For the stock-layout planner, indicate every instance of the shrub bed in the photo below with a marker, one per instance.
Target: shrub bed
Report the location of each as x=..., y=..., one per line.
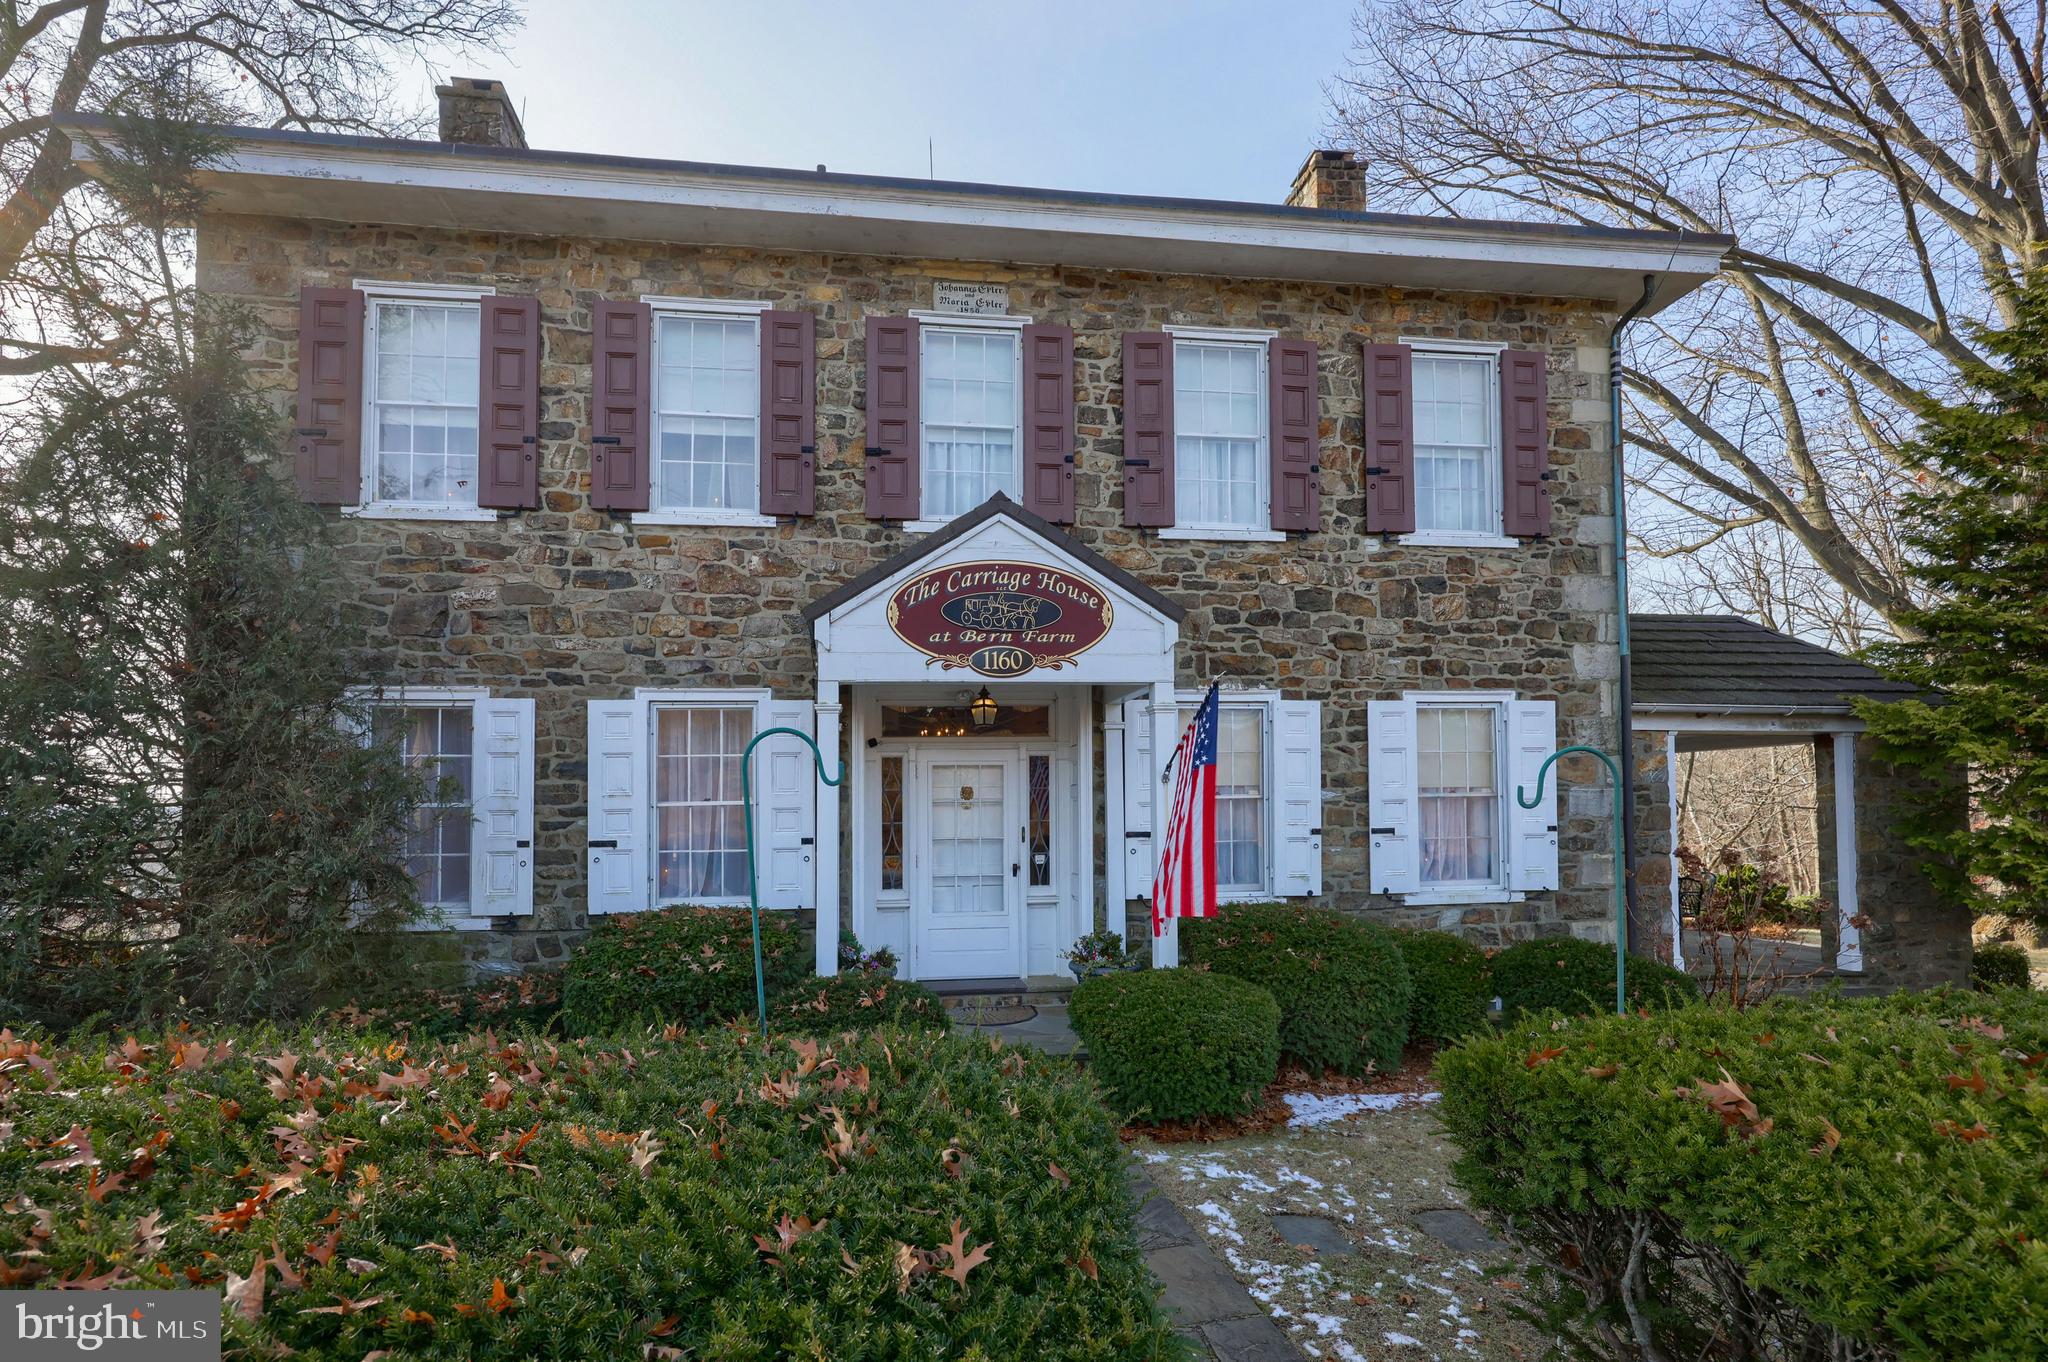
x=528, y=1001
x=680, y=966
x=1577, y=977
x=1453, y=986
x=855, y=1002
x=2000, y=964
x=715, y=1196
x=1177, y=1044
x=1342, y=986
x=1802, y=1179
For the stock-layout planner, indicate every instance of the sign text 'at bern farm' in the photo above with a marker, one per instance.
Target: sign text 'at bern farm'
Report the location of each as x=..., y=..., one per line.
x=1000, y=619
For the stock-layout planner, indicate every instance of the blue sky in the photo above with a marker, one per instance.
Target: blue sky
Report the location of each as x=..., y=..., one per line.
x=1204, y=98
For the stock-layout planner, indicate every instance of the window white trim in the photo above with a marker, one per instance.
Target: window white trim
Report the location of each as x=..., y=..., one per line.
x=730, y=519
x=731, y=307
x=1449, y=346
x=1245, y=334
x=392, y=510
x=1233, y=536
x=926, y=318
x=368, y=505
x=426, y=293
x=1458, y=539
x=1259, y=529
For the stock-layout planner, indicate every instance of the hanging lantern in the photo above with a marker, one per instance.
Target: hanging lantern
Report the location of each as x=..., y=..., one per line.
x=983, y=709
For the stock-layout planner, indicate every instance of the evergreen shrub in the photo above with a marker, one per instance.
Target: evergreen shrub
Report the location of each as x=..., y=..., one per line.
x=1178, y=1044
x=1453, y=986
x=676, y=967
x=855, y=1002
x=2000, y=964
x=1570, y=975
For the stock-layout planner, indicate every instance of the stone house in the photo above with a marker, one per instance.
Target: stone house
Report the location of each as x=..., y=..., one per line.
x=981, y=486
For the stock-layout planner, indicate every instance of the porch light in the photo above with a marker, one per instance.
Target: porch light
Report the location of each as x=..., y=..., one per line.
x=983, y=709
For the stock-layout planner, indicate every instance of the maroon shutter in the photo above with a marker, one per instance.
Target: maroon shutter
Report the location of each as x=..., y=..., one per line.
x=1148, y=428
x=893, y=465
x=1389, y=439
x=508, y=379
x=789, y=405
x=620, y=453
x=329, y=456
x=1295, y=416
x=1525, y=442
x=1049, y=422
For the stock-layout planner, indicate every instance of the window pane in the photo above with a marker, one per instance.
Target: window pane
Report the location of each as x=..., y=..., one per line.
x=434, y=740
x=1040, y=820
x=1458, y=764
x=424, y=389
x=700, y=831
x=1240, y=797
x=969, y=411
x=706, y=411
x=1219, y=434
x=892, y=823
x=1456, y=454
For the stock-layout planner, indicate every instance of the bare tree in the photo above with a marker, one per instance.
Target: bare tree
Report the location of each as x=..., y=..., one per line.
x=1879, y=164
x=73, y=289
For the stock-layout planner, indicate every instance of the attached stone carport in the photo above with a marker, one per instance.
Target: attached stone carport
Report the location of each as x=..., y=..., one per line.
x=1711, y=682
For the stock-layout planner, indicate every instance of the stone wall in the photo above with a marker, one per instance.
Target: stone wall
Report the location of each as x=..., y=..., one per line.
x=569, y=604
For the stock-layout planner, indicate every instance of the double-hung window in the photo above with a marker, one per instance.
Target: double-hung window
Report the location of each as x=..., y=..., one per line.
x=1457, y=443
x=436, y=741
x=420, y=402
x=706, y=414
x=969, y=409
x=1222, y=480
x=1458, y=788
x=700, y=846
x=1241, y=811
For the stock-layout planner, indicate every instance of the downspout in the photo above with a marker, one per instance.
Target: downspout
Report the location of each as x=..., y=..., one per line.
x=1639, y=938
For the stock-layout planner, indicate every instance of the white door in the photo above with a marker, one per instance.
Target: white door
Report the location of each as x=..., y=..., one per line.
x=968, y=899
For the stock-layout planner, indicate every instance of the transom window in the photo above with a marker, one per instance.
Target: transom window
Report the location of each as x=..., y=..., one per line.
x=969, y=408
x=423, y=402
x=1240, y=798
x=435, y=741
x=707, y=413
x=700, y=843
x=1457, y=447
x=1219, y=423
x=1458, y=769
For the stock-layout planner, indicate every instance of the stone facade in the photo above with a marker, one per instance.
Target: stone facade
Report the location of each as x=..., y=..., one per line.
x=567, y=604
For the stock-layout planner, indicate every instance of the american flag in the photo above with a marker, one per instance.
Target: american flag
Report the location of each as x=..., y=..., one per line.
x=1187, y=867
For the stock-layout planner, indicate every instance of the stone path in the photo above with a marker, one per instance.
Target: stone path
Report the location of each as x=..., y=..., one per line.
x=1046, y=1030
x=1209, y=1307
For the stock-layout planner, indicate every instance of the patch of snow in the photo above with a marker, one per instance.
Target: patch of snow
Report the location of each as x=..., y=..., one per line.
x=1225, y=1224
x=1325, y=1325
x=1251, y=1182
x=1315, y=1109
x=1400, y=1340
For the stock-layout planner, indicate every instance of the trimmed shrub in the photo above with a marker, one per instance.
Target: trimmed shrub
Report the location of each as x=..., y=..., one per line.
x=1341, y=984
x=1176, y=1044
x=714, y=1196
x=2000, y=964
x=1807, y=1178
x=679, y=966
x=1577, y=977
x=531, y=1000
x=855, y=1002
x=1453, y=986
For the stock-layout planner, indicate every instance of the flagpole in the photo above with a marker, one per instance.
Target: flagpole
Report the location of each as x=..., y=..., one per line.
x=1163, y=713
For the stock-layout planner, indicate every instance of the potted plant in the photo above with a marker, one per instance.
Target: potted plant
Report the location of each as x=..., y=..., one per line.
x=1099, y=953
x=879, y=964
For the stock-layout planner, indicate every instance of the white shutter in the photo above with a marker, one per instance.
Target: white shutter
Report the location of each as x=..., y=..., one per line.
x=785, y=804
x=1392, y=820
x=1297, y=798
x=501, y=851
x=1141, y=796
x=1532, y=833
x=617, y=755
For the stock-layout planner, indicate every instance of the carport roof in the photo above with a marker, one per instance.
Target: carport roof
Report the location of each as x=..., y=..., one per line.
x=1714, y=663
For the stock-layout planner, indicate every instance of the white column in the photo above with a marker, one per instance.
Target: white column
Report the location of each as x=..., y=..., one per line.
x=1671, y=795
x=1849, y=951
x=1165, y=715
x=1112, y=813
x=825, y=862
x=1082, y=714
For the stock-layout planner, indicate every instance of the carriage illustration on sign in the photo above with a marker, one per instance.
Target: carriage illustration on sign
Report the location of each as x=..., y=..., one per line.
x=1004, y=610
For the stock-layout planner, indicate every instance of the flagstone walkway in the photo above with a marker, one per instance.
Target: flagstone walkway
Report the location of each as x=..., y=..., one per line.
x=1046, y=1029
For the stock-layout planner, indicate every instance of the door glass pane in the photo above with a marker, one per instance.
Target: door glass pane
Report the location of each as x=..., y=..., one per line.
x=1460, y=795
x=700, y=846
x=970, y=419
x=892, y=824
x=968, y=846
x=423, y=393
x=434, y=740
x=1040, y=821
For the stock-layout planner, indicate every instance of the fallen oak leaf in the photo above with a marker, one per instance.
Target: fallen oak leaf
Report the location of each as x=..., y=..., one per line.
x=965, y=1260
x=343, y=1306
x=1537, y=1058
x=1059, y=1175
x=1830, y=1140
x=501, y=1300
x=245, y=1294
x=1086, y=1262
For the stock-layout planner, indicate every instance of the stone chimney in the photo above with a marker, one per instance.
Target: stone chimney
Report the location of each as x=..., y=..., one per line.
x=479, y=112
x=1327, y=179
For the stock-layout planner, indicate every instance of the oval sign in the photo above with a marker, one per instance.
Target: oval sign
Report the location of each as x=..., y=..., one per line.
x=1000, y=619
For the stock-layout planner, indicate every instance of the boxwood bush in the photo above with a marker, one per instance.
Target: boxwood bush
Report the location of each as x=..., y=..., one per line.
x=1176, y=1044
x=713, y=1196
x=531, y=1000
x=1808, y=1178
x=680, y=966
x=1453, y=986
x=1575, y=976
x=2000, y=964
x=855, y=1002
x=1342, y=986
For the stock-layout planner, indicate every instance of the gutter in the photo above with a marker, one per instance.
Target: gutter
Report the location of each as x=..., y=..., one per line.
x=1639, y=938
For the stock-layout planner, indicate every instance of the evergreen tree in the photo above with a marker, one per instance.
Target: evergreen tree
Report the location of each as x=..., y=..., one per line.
x=190, y=818
x=1980, y=650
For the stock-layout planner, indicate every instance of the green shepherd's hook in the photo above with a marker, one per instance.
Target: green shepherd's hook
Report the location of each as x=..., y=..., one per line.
x=753, y=885
x=1620, y=864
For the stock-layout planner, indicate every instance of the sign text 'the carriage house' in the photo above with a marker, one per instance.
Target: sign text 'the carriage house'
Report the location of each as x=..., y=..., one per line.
x=1000, y=619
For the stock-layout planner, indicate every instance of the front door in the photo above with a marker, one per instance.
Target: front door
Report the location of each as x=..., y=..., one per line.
x=968, y=896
